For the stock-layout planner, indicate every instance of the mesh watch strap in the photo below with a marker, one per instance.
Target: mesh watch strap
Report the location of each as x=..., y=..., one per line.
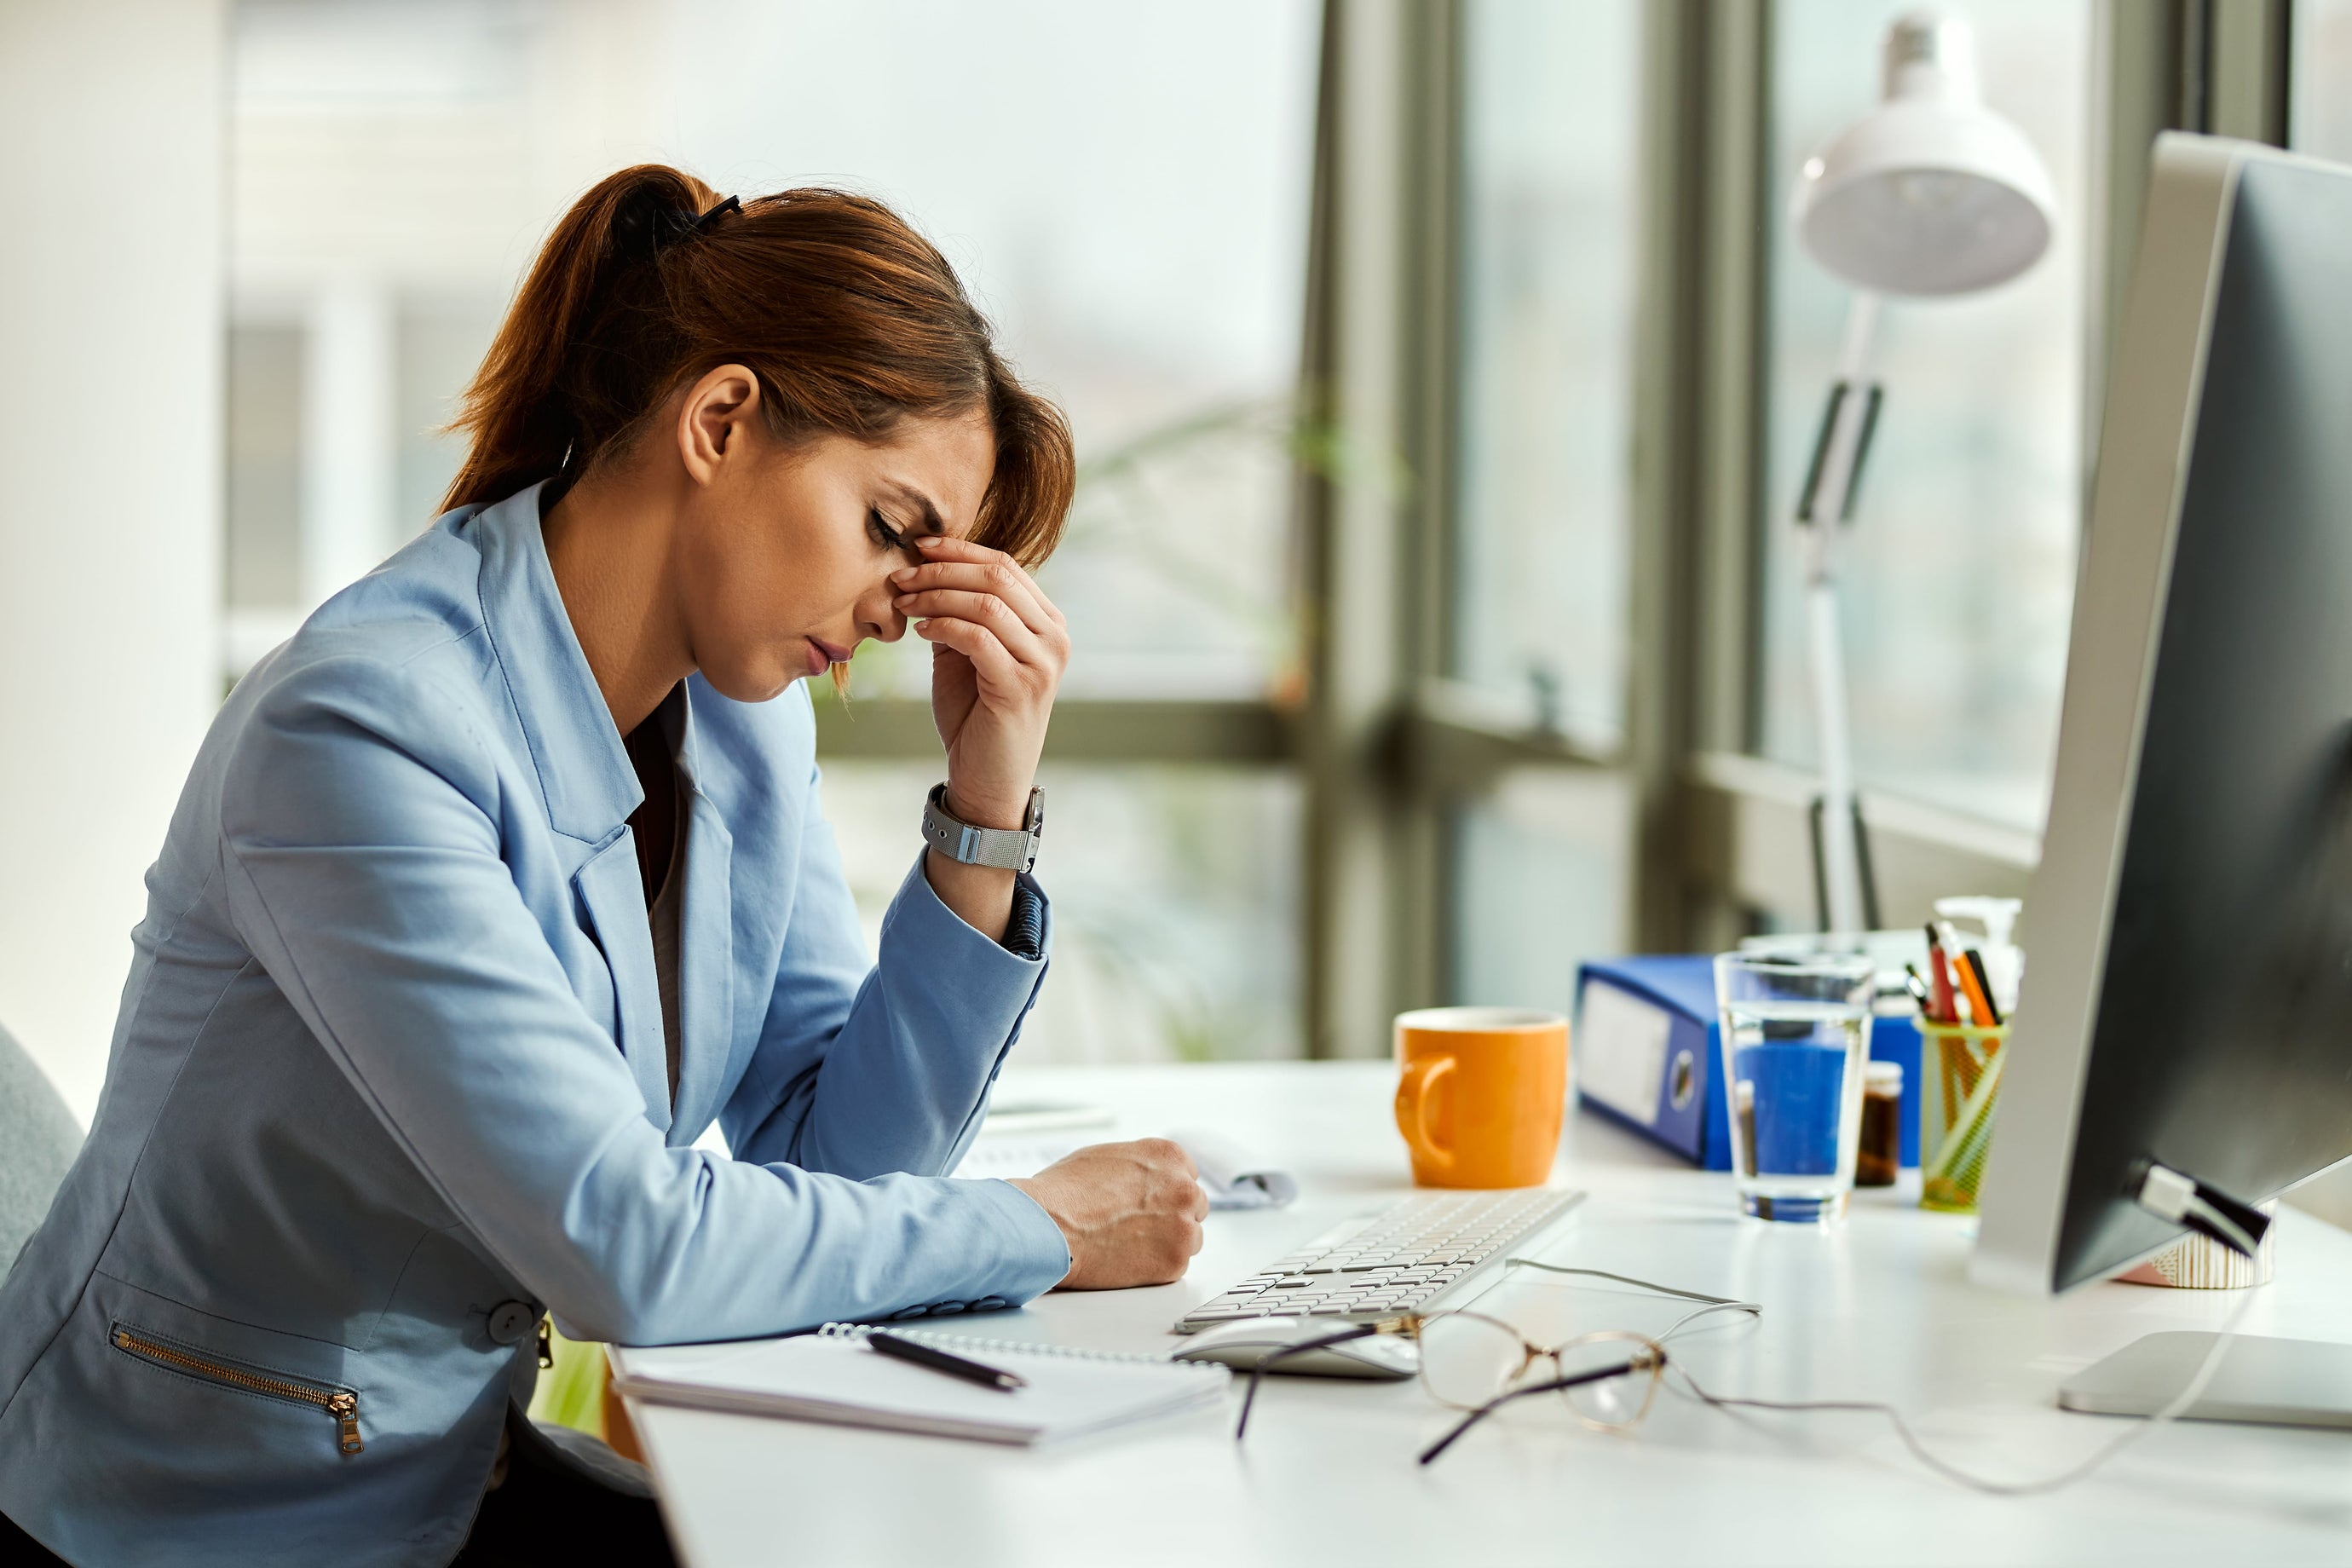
x=1009, y=849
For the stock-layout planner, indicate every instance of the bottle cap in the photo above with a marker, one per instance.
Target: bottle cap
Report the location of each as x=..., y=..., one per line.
x=1885, y=1077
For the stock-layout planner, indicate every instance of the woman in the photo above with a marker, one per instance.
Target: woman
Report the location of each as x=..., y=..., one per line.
x=507, y=878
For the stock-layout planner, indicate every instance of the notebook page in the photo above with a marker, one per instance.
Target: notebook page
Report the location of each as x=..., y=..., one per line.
x=841, y=1380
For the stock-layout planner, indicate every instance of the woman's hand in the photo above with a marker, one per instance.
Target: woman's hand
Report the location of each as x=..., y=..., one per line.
x=998, y=651
x=1131, y=1213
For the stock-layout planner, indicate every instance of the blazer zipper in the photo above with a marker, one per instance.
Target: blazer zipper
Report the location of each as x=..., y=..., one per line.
x=342, y=1404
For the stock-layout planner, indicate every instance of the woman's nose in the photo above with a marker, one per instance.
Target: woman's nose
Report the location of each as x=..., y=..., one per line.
x=881, y=619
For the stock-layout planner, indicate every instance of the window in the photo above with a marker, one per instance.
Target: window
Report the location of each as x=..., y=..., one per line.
x=1957, y=573
x=1541, y=864
x=1175, y=894
x=1131, y=205
x=1544, y=431
x=2319, y=97
x=1125, y=191
x=1542, y=447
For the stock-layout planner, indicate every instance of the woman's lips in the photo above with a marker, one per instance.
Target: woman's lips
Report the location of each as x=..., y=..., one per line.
x=823, y=654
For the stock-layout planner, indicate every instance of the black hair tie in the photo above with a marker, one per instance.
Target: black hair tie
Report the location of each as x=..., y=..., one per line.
x=666, y=227
x=731, y=205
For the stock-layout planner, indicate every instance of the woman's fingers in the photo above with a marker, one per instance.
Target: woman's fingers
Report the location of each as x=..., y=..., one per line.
x=1004, y=581
x=990, y=657
x=941, y=547
x=987, y=610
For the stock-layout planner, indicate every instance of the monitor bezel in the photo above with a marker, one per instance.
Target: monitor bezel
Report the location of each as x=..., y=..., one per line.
x=2147, y=439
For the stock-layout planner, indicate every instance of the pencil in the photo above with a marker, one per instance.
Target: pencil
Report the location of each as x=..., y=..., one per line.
x=1974, y=969
x=1981, y=1012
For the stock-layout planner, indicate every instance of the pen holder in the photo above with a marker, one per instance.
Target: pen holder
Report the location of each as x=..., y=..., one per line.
x=1959, y=1080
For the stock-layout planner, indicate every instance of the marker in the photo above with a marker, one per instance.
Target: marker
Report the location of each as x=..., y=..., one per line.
x=1947, y=1009
x=1953, y=948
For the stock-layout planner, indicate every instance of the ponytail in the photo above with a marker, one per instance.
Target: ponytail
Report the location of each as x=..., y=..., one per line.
x=851, y=321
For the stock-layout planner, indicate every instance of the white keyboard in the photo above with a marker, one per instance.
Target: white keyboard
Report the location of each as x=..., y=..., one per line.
x=1429, y=1246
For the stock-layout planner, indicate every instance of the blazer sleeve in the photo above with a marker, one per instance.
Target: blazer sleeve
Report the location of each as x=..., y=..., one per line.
x=865, y=1069
x=361, y=858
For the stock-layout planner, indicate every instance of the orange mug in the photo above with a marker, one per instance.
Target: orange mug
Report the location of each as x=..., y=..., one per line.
x=1481, y=1095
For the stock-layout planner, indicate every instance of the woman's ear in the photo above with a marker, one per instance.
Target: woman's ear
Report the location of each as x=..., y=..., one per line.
x=714, y=423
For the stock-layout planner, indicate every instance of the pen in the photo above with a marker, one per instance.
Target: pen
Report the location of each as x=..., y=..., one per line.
x=1980, y=979
x=891, y=1346
x=1919, y=994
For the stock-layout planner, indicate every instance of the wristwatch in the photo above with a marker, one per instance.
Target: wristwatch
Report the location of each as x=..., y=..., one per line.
x=1007, y=848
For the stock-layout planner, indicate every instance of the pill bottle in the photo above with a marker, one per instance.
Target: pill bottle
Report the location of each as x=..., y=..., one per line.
x=1879, y=1153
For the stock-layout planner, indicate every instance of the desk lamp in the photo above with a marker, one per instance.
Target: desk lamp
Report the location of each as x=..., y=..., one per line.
x=1929, y=195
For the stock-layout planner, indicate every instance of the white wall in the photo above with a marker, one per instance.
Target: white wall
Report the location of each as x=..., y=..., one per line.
x=110, y=307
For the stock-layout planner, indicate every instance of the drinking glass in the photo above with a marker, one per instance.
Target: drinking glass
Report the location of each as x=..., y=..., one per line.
x=1796, y=1034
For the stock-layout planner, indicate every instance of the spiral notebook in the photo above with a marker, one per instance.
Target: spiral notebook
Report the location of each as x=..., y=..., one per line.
x=832, y=1375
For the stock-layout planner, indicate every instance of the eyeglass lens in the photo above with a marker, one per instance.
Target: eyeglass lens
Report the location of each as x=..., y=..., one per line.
x=1466, y=1359
x=1614, y=1403
x=1469, y=1360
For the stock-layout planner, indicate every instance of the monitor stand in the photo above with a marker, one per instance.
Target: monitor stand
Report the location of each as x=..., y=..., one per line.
x=2276, y=1383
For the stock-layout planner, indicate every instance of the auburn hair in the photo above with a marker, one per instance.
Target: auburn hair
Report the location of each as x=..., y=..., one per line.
x=851, y=321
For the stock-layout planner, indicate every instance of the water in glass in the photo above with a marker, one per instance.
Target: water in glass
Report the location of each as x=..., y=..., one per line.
x=1796, y=1035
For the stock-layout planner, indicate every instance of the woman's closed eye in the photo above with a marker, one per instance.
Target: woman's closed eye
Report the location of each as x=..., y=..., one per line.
x=888, y=538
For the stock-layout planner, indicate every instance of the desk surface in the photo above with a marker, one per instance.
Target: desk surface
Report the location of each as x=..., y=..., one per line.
x=1880, y=1310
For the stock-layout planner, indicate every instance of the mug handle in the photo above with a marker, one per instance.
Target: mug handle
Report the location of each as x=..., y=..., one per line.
x=1413, y=1111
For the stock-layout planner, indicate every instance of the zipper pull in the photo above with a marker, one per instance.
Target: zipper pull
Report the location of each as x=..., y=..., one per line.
x=546, y=1344
x=345, y=1409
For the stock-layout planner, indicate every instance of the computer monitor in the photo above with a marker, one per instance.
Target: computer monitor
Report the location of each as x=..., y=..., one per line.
x=2188, y=1002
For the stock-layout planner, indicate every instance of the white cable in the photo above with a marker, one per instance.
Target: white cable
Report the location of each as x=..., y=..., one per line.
x=2181, y=1401
x=1714, y=1303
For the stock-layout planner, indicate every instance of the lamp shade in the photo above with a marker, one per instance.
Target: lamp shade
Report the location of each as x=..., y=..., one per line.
x=1931, y=193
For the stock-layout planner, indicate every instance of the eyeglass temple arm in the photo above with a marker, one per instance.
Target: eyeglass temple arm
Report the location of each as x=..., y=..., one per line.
x=1597, y=1375
x=1628, y=1279
x=1361, y=1331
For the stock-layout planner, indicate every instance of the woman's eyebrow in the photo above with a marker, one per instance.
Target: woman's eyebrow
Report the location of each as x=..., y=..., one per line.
x=927, y=515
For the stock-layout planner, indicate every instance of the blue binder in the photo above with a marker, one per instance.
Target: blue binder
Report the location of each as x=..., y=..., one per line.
x=1648, y=1053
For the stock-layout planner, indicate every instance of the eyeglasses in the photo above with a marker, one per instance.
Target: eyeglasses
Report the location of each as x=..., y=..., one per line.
x=1477, y=1362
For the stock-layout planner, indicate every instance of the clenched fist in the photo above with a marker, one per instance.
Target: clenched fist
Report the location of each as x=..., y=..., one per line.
x=1130, y=1213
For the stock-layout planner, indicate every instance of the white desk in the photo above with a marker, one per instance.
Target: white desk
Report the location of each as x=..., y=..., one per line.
x=1879, y=1310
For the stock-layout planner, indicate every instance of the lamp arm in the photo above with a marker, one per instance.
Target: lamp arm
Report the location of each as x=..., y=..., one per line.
x=1847, y=425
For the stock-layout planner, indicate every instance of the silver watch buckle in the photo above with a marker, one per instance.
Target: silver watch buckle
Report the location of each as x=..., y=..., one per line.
x=1007, y=849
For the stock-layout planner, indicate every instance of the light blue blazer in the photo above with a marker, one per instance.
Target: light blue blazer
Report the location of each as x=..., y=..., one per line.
x=390, y=1078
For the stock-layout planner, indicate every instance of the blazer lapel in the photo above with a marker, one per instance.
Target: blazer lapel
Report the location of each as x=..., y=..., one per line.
x=706, y=982
x=614, y=894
